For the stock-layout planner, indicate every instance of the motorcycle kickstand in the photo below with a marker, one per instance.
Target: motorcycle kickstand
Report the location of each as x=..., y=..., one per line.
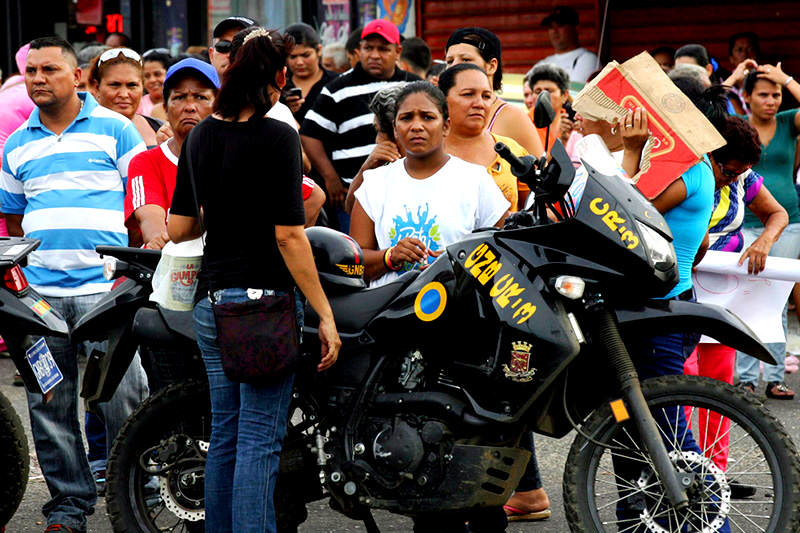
x=369, y=522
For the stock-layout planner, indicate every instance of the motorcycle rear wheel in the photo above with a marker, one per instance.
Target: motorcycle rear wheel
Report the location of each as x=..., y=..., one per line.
x=14, y=459
x=762, y=458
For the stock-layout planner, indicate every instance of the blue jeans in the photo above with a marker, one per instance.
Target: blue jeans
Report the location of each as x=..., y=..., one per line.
x=57, y=430
x=748, y=367
x=248, y=424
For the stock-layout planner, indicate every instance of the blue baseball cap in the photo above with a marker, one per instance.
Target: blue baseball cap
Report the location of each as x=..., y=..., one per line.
x=199, y=68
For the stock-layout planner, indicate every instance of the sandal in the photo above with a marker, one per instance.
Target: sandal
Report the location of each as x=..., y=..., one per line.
x=779, y=391
x=518, y=515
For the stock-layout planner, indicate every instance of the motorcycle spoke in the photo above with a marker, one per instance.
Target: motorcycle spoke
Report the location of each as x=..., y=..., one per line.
x=748, y=518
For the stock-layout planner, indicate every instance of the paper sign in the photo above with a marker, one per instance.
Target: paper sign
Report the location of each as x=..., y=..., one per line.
x=758, y=300
x=44, y=366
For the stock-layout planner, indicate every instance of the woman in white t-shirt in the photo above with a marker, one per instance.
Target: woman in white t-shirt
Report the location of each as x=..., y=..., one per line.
x=408, y=211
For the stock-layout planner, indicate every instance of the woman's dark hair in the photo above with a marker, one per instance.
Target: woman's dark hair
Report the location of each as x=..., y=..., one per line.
x=160, y=57
x=437, y=67
x=750, y=36
x=712, y=102
x=696, y=51
x=664, y=50
x=303, y=34
x=447, y=79
x=353, y=40
x=488, y=46
x=255, y=62
x=430, y=90
x=743, y=143
x=549, y=72
x=749, y=83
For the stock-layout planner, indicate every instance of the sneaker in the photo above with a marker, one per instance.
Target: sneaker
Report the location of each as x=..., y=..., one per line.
x=740, y=491
x=749, y=387
x=18, y=380
x=53, y=528
x=100, y=481
x=779, y=391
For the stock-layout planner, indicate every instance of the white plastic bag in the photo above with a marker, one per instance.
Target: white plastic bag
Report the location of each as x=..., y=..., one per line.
x=175, y=278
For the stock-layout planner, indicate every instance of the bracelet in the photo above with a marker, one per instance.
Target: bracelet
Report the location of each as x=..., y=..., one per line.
x=788, y=81
x=387, y=260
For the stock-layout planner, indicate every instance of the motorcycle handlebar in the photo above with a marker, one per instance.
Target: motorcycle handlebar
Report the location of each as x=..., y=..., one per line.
x=518, y=166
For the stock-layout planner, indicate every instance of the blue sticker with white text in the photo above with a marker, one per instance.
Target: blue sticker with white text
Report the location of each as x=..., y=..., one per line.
x=44, y=366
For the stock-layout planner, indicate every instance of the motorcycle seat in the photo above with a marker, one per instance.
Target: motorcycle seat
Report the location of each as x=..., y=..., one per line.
x=353, y=311
x=140, y=256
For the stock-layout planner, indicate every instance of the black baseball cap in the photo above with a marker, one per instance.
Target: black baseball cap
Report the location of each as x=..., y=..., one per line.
x=564, y=15
x=233, y=22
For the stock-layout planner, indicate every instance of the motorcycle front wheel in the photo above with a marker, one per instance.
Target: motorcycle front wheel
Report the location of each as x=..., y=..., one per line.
x=739, y=466
x=173, y=426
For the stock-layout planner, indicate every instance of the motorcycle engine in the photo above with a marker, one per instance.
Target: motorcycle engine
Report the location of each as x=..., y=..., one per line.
x=398, y=447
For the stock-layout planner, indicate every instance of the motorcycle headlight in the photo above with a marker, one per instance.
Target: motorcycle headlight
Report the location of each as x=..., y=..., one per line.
x=662, y=255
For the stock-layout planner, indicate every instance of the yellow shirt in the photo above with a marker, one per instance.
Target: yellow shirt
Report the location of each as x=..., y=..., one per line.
x=500, y=171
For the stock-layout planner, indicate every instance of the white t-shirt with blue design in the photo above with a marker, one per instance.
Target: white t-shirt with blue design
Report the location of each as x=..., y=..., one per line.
x=439, y=210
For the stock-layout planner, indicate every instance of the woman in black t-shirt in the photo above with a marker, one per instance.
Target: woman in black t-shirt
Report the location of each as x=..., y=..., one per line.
x=305, y=71
x=254, y=243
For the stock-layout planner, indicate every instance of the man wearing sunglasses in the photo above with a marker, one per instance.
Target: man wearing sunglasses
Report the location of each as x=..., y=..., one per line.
x=223, y=34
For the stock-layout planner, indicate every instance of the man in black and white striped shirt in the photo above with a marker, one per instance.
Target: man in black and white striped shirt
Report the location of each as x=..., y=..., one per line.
x=338, y=133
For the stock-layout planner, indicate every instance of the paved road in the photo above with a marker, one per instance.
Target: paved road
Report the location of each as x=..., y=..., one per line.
x=551, y=454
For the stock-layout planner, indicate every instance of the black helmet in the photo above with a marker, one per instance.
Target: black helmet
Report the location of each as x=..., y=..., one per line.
x=339, y=259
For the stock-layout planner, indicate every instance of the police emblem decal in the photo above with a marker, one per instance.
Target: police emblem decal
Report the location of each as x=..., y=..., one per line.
x=518, y=368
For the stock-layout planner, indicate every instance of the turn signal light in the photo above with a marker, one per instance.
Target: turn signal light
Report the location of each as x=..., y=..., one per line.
x=570, y=286
x=15, y=279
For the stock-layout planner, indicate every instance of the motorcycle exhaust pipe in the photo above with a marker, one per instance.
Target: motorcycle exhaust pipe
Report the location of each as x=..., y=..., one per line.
x=607, y=334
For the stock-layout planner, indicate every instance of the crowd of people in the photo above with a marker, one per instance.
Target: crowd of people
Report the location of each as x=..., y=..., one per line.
x=373, y=137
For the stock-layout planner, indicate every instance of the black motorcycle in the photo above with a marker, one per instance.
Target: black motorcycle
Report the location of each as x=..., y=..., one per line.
x=24, y=318
x=442, y=372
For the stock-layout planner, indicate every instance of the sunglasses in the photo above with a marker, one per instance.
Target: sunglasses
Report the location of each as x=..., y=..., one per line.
x=116, y=52
x=152, y=51
x=223, y=47
x=731, y=174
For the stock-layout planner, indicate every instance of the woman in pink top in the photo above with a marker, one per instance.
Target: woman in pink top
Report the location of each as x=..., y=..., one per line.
x=15, y=108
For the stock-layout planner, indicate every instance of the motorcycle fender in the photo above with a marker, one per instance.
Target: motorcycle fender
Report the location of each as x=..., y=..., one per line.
x=104, y=371
x=674, y=316
x=116, y=307
x=25, y=318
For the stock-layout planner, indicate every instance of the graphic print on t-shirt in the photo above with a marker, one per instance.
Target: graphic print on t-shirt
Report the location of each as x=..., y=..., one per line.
x=424, y=227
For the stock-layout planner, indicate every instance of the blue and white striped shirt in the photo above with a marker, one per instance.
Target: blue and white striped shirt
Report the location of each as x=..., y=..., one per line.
x=70, y=189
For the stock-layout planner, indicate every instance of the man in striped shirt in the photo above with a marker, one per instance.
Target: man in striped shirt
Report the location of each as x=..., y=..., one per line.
x=63, y=182
x=338, y=133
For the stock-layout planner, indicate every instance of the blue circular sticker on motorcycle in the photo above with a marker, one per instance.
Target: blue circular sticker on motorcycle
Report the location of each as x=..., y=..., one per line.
x=430, y=302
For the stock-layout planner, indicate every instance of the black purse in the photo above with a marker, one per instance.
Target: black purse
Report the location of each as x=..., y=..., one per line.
x=258, y=339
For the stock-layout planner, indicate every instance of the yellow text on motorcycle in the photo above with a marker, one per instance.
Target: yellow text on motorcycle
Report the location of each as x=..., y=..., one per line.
x=615, y=222
x=430, y=301
x=483, y=265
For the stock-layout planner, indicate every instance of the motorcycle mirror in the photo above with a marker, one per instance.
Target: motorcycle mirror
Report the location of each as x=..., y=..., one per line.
x=543, y=112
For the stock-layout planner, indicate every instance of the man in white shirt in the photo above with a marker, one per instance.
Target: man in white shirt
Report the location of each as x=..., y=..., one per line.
x=562, y=28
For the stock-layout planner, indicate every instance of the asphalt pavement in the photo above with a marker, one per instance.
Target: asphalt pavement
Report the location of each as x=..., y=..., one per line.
x=550, y=452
